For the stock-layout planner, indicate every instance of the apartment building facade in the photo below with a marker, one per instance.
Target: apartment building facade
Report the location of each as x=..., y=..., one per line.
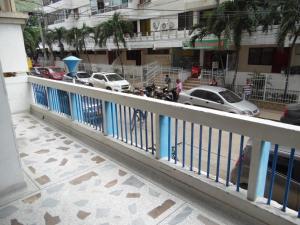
x=162, y=31
x=11, y=37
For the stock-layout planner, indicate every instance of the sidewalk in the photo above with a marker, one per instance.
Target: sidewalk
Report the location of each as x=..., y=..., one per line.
x=270, y=114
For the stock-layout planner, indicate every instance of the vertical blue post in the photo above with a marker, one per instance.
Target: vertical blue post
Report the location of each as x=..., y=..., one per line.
x=164, y=127
x=258, y=169
x=76, y=106
x=53, y=102
x=110, y=120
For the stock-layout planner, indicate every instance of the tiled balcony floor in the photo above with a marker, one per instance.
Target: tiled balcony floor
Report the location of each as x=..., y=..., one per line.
x=71, y=184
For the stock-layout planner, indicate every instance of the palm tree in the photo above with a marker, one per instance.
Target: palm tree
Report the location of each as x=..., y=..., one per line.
x=76, y=37
x=59, y=36
x=85, y=33
x=286, y=15
x=49, y=39
x=115, y=28
x=230, y=19
x=289, y=27
x=72, y=39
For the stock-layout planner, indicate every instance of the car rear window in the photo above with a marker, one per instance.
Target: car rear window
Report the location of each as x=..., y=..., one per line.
x=57, y=69
x=83, y=75
x=114, y=77
x=230, y=97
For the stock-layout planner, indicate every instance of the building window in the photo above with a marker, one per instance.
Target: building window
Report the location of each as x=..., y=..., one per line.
x=144, y=1
x=260, y=56
x=204, y=15
x=158, y=52
x=185, y=20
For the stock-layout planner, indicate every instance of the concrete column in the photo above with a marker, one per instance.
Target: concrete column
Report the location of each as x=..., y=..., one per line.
x=258, y=169
x=11, y=174
x=201, y=58
x=138, y=24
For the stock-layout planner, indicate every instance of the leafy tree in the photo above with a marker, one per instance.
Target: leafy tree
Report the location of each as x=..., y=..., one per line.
x=114, y=28
x=31, y=34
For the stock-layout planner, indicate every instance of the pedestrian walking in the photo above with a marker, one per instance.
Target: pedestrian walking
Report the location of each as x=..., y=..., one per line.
x=247, y=89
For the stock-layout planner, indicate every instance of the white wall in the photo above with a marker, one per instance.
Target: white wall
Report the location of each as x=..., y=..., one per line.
x=12, y=50
x=18, y=92
x=11, y=174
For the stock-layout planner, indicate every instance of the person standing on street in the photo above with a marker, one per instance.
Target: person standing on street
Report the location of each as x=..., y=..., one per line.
x=178, y=88
x=168, y=82
x=247, y=89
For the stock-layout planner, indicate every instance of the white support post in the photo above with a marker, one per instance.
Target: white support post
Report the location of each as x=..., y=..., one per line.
x=265, y=86
x=258, y=169
x=11, y=173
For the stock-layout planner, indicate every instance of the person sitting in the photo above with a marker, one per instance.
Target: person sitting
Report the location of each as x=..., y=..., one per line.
x=213, y=82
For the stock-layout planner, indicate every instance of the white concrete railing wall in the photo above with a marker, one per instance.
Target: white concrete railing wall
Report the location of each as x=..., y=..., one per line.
x=258, y=130
x=18, y=91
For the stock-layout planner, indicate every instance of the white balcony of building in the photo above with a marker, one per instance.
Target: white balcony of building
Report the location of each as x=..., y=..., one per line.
x=93, y=156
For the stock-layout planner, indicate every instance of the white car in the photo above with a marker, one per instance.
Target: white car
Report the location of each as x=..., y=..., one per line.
x=109, y=81
x=218, y=98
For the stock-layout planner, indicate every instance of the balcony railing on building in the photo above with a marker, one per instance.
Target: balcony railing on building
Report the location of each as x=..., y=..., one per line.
x=49, y=2
x=99, y=10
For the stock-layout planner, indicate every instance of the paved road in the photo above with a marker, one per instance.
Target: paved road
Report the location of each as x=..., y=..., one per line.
x=188, y=152
x=194, y=160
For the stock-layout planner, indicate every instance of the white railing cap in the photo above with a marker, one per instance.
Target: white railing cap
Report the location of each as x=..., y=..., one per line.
x=277, y=133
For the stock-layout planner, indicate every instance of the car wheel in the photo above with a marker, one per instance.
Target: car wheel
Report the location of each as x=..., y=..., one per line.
x=108, y=88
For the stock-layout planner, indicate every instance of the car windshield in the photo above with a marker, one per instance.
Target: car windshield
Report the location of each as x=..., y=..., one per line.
x=230, y=97
x=83, y=75
x=114, y=77
x=57, y=69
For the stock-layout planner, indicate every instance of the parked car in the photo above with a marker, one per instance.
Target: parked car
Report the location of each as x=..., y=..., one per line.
x=52, y=72
x=280, y=175
x=81, y=77
x=109, y=81
x=218, y=98
x=291, y=114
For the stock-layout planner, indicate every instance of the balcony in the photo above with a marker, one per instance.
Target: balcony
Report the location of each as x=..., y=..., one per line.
x=95, y=156
x=111, y=8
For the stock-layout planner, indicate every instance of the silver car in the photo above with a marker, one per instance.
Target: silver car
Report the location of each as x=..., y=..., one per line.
x=81, y=77
x=218, y=98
